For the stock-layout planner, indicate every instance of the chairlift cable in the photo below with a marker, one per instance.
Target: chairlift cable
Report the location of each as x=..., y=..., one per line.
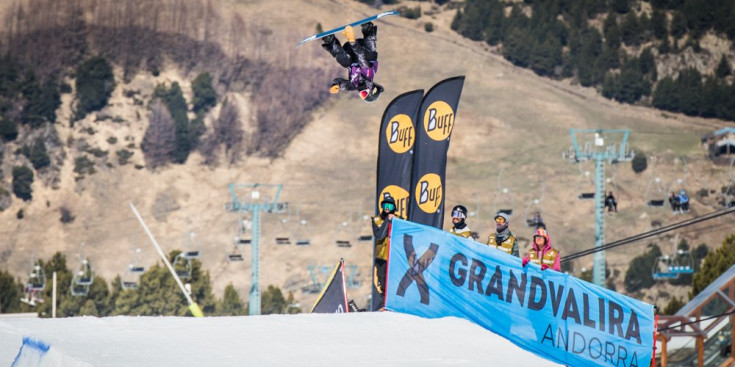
x=655, y=232
x=698, y=321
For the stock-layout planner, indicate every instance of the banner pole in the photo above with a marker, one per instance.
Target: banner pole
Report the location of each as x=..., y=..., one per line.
x=193, y=306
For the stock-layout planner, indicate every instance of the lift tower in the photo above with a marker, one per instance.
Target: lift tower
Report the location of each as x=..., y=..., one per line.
x=591, y=144
x=255, y=203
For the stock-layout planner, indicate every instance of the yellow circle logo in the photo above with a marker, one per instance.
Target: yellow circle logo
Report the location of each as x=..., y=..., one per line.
x=429, y=193
x=400, y=133
x=439, y=121
x=400, y=196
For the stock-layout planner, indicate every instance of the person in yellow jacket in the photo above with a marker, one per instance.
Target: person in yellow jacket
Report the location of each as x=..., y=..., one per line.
x=503, y=238
x=459, y=227
x=542, y=254
x=381, y=231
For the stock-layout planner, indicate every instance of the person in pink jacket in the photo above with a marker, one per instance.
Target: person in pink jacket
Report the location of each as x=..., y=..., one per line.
x=542, y=253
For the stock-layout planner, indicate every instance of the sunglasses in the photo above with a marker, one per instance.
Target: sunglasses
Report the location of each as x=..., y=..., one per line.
x=457, y=214
x=388, y=207
x=500, y=220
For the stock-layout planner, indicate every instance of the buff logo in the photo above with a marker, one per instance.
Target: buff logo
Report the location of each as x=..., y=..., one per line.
x=400, y=195
x=439, y=121
x=429, y=192
x=400, y=133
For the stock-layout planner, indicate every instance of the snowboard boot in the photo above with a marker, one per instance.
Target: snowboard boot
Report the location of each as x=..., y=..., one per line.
x=369, y=29
x=349, y=33
x=328, y=42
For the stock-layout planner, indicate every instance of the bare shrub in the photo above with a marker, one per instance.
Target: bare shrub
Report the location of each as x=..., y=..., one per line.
x=159, y=141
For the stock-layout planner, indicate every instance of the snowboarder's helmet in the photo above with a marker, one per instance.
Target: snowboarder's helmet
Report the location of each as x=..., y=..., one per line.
x=388, y=204
x=459, y=211
x=542, y=233
x=370, y=95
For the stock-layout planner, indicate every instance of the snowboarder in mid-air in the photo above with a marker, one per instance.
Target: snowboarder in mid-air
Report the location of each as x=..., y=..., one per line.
x=360, y=57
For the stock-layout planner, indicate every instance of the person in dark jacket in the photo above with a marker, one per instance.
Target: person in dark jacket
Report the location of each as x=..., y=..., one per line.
x=381, y=231
x=674, y=202
x=360, y=57
x=610, y=203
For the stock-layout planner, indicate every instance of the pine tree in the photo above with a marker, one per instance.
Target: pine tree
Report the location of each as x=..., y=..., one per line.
x=715, y=264
x=723, y=67
x=658, y=24
x=231, y=304
x=689, y=87
x=10, y=293
x=666, y=95
x=95, y=83
x=631, y=30
x=674, y=305
x=639, y=274
x=38, y=155
x=22, y=180
x=678, y=25
x=612, y=32
x=272, y=301
x=8, y=129
x=621, y=6
x=205, y=97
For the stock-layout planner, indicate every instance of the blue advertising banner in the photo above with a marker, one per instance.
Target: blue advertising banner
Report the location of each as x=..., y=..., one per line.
x=432, y=273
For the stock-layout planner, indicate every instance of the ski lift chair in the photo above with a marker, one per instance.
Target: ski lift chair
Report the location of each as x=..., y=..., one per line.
x=84, y=275
x=302, y=234
x=78, y=289
x=235, y=254
x=241, y=238
x=190, y=252
x=129, y=279
x=37, y=279
x=235, y=257
x=281, y=237
x=128, y=285
x=342, y=236
x=36, y=283
x=662, y=269
x=365, y=237
x=182, y=266
x=655, y=193
x=584, y=177
x=504, y=200
x=682, y=262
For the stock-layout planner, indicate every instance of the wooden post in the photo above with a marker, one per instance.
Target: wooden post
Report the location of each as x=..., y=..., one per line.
x=664, y=352
x=732, y=329
x=53, y=298
x=700, y=351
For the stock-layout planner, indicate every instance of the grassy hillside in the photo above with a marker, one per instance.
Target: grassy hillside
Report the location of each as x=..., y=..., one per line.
x=509, y=119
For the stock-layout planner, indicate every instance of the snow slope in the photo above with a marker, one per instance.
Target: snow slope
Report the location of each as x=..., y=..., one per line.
x=356, y=339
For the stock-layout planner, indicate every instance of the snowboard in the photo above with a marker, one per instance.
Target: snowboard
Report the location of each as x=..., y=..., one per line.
x=339, y=29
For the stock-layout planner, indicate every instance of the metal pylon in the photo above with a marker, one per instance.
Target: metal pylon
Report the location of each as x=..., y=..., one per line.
x=255, y=204
x=597, y=150
x=255, y=254
x=598, y=274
